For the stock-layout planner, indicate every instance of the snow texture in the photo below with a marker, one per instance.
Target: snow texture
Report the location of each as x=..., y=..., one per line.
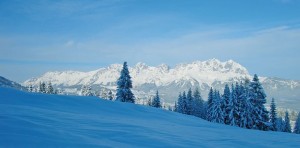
x=43, y=120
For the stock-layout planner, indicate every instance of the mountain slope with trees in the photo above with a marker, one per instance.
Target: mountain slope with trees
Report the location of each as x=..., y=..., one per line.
x=39, y=120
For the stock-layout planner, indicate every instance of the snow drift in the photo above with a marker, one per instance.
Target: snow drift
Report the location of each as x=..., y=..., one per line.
x=40, y=120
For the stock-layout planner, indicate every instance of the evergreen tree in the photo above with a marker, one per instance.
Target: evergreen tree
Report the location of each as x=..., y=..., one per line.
x=156, y=101
x=179, y=106
x=210, y=105
x=227, y=105
x=49, y=89
x=103, y=94
x=184, y=107
x=42, y=87
x=198, y=104
x=217, y=115
x=149, y=102
x=189, y=103
x=170, y=108
x=242, y=101
x=175, y=107
x=287, y=125
x=124, y=86
x=230, y=116
x=280, y=124
x=297, y=125
x=247, y=111
x=89, y=91
x=210, y=97
x=110, y=95
x=86, y=90
x=30, y=88
x=273, y=115
x=83, y=90
x=233, y=107
x=258, y=98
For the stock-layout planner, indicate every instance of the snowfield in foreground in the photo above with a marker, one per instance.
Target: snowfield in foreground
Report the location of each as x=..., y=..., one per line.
x=39, y=120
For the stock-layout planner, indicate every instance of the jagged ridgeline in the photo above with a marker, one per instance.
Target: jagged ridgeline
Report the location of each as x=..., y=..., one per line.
x=147, y=79
x=8, y=83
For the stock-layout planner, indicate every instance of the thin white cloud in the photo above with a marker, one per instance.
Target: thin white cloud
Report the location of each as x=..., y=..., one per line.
x=270, y=30
x=48, y=9
x=69, y=43
x=272, y=48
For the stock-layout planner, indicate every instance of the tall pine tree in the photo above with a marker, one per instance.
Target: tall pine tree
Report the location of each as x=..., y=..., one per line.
x=198, y=104
x=273, y=115
x=49, y=88
x=110, y=95
x=247, y=118
x=287, y=125
x=233, y=107
x=297, y=125
x=258, y=98
x=83, y=90
x=217, y=115
x=210, y=105
x=179, y=105
x=227, y=105
x=156, y=101
x=280, y=124
x=42, y=87
x=184, y=106
x=189, y=102
x=175, y=107
x=124, y=85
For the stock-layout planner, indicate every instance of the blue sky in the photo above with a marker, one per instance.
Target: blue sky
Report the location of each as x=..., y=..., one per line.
x=40, y=36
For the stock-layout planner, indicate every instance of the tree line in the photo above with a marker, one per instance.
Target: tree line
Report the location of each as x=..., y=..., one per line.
x=242, y=105
x=43, y=87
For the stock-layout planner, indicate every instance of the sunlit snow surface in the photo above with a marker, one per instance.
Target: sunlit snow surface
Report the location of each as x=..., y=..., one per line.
x=38, y=120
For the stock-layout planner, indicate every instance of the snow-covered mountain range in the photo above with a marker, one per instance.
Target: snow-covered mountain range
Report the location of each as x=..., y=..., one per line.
x=171, y=81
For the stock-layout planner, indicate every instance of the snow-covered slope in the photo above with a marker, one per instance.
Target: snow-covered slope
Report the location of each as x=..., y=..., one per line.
x=170, y=81
x=39, y=120
x=8, y=83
